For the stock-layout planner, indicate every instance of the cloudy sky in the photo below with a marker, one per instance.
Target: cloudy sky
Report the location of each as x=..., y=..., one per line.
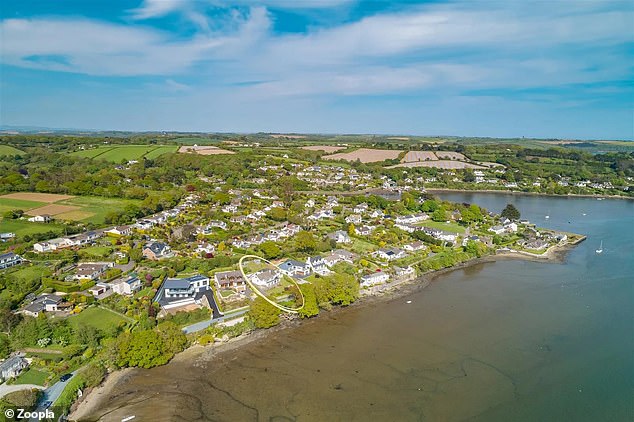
x=479, y=68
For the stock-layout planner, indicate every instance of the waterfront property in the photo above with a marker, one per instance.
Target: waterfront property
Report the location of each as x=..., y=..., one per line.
x=230, y=280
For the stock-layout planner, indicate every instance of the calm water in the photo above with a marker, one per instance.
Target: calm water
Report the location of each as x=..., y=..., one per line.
x=506, y=341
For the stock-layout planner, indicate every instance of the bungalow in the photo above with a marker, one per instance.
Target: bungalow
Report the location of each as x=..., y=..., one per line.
x=290, y=230
x=266, y=278
x=390, y=254
x=99, y=289
x=470, y=239
x=230, y=280
x=374, y=278
x=340, y=237
x=43, y=218
x=344, y=255
x=295, y=268
x=126, y=286
x=44, y=302
x=406, y=227
x=411, y=219
x=9, y=259
x=53, y=244
x=239, y=219
x=322, y=214
x=440, y=234
x=91, y=270
x=414, y=246
x=12, y=367
x=120, y=231
x=231, y=208
x=85, y=238
x=354, y=218
x=157, y=250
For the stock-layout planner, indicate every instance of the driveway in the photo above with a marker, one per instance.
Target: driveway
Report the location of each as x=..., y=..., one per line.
x=6, y=389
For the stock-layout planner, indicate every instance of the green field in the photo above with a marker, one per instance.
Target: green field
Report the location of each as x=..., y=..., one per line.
x=32, y=376
x=22, y=227
x=449, y=227
x=26, y=274
x=98, y=206
x=8, y=204
x=118, y=153
x=9, y=150
x=101, y=319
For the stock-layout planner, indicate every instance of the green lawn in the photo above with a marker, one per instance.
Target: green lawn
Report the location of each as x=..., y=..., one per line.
x=32, y=376
x=361, y=246
x=9, y=150
x=8, y=204
x=449, y=227
x=100, y=318
x=22, y=227
x=27, y=273
x=96, y=251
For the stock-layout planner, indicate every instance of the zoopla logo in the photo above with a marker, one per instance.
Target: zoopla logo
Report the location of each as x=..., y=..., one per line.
x=25, y=414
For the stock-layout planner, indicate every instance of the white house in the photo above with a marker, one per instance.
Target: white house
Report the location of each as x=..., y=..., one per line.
x=266, y=278
x=9, y=259
x=44, y=218
x=414, y=246
x=404, y=272
x=354, y=218
x=374, y=278
x=318, y=265
x=126, y=286
x=497, y=229
x=390, y=254
x=294, y=268
x=340, y=237
x=120, y=230
x=91, y=270
x=364, y=230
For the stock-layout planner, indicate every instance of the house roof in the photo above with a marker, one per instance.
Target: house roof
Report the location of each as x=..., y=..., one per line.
x=176, y=283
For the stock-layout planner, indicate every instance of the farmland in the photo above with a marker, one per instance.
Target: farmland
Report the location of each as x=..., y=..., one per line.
x=326, y=148
x=441, y=164
x=9, y=150
x=23, y=227
x=90, y=209
x=203, y=150
x=366, y=155
x=118, y=153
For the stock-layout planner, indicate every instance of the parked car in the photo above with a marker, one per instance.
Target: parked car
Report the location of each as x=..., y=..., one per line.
x=65, y=377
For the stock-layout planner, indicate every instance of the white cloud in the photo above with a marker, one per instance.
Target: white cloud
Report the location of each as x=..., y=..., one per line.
x=156, y=8
x=457, y=46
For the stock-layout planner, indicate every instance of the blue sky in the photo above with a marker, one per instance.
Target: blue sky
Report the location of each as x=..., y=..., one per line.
x=480, y=68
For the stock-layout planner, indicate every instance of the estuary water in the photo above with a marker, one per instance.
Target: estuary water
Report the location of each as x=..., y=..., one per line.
x=502, y=341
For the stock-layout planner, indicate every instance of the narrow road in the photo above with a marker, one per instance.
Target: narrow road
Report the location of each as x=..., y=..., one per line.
x=204, y=324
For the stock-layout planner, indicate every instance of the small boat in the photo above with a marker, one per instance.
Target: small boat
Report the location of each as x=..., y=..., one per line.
x=547, y=217
x=128, y=418
x=583, y=214
x=600, y=250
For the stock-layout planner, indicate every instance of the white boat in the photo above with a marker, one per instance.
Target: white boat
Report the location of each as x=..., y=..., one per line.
x=600, y=250
x=547, y=217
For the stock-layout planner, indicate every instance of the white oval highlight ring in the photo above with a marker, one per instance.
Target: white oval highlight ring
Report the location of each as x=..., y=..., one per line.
x=262, y=295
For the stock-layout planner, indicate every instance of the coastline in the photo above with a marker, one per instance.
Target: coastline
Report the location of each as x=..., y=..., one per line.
x=520, y=193
x=89, y=404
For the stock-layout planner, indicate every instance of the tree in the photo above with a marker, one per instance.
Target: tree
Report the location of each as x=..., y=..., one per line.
x=305, y=241
x=510, y=212
x=277, y=214
x=351, y=229
x=263, y=314
x=440, y=214
x=310, y=308
x=270, y=250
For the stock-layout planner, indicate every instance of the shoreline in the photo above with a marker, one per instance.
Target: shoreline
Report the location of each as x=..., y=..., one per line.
x=89, y=404
x=520, y=193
